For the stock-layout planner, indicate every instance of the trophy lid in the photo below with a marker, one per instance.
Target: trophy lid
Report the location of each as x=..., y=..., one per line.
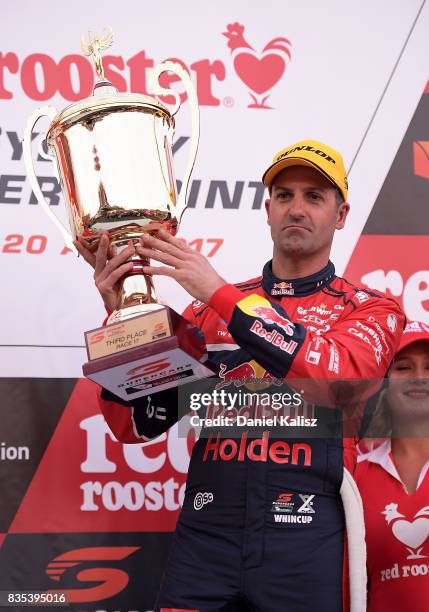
x=105, y=97
x=97, y=105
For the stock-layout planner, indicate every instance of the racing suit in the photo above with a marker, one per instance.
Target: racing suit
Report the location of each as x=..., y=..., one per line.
x=260, y=524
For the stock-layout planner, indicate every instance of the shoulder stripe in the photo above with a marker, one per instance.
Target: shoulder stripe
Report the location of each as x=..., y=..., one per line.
x=254, y=285
x=331, y=291
x=370, y=292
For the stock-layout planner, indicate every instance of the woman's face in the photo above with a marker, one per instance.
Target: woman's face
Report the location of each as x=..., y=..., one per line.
x=408, y=391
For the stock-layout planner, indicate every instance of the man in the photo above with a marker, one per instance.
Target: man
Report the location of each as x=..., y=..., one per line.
x=248, y=547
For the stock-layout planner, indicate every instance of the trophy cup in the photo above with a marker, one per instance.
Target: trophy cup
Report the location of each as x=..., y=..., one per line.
x=112, y=154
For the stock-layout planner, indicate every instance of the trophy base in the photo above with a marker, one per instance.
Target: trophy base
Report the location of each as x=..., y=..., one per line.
x=145, y=354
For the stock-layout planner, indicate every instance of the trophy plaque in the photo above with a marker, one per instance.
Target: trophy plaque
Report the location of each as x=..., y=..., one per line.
x=112, y=153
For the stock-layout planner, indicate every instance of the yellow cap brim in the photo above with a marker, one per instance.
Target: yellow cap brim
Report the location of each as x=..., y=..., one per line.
x=277, y=167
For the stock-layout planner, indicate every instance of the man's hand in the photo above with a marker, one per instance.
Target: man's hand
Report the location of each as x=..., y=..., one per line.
x=189, y=268
x=108, y=270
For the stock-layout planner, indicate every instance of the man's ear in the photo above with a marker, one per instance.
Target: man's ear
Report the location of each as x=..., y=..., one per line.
x=343, y=211
x=267, y=208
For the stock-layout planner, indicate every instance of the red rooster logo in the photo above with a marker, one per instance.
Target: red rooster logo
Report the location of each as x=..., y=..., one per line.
x=260, y=72
x=411, y=533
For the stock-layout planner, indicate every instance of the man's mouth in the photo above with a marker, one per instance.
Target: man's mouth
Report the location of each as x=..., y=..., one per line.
x=301, y=227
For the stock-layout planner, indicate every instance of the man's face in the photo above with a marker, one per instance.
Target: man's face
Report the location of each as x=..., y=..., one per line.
x=303, y=212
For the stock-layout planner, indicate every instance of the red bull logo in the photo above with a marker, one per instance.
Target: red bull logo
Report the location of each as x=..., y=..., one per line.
x=274, y=337
x=282, y=288
x=271, y=316
x=238, y=376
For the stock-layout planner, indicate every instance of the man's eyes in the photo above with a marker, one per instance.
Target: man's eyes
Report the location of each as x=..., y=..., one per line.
x=312, y=196
x=283, y=195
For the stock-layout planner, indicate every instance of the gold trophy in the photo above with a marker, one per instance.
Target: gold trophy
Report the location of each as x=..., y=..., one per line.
x=112, y=153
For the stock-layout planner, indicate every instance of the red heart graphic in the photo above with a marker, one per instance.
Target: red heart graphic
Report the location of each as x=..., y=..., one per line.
x=259, y=74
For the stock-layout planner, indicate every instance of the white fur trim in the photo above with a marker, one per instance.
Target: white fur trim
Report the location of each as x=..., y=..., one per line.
x=355, y=525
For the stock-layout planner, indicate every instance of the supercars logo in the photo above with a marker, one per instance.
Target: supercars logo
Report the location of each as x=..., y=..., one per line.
x=258, y=71
x=150, y=367
x=109, y=332
x=82, y=562
x=159, y=327
x=283, y=503
x=285, y=497
x=97, y=337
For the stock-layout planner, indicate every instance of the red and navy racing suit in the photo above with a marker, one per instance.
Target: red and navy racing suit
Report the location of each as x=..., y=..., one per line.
x=265, y=530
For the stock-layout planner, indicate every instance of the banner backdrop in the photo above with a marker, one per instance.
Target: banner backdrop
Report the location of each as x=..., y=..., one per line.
x=78, y=510
x=392, y=252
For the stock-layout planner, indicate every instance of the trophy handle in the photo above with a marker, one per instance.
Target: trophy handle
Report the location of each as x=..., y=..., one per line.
x=157, y=89
x=44, y=111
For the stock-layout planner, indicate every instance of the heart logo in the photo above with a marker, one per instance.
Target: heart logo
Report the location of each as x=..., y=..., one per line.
x=259, y=74
x=412, y=534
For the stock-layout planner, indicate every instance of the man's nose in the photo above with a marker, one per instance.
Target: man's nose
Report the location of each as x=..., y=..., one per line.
x=296, y=208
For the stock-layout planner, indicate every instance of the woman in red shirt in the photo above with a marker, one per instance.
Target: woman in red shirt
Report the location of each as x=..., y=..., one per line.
x=393, y=478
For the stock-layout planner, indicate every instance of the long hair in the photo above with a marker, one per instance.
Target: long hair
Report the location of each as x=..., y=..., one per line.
x=380, y=425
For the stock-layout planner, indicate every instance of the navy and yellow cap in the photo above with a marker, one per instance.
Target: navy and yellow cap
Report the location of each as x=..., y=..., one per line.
x=315, y=155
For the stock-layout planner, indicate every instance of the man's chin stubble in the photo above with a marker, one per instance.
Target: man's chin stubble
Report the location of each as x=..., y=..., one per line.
x=293, y=247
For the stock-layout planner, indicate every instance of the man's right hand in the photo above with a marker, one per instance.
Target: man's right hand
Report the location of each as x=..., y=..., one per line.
x=108, y=270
